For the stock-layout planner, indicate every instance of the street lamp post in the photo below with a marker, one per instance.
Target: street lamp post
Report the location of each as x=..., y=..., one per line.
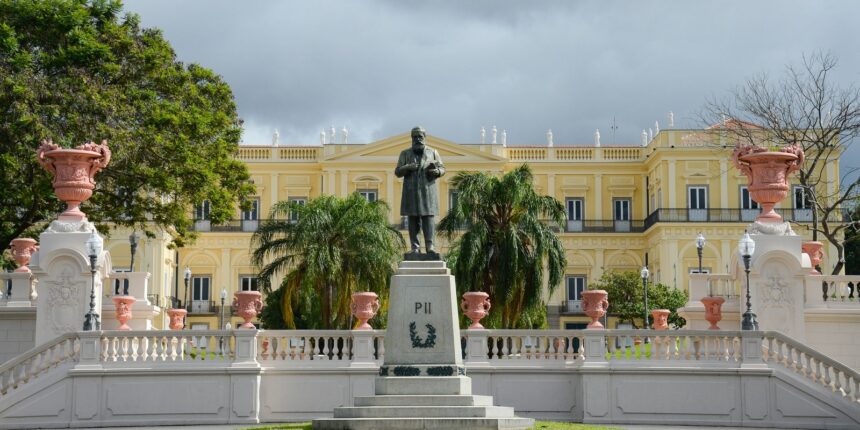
x=132, y=241
x=700, y=246
x=221, y=318
x=645, y=273
x=746, y=248
x=187, y=278
x=94, y=248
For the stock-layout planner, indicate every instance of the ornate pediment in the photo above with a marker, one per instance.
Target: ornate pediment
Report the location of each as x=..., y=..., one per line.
x=387, y=150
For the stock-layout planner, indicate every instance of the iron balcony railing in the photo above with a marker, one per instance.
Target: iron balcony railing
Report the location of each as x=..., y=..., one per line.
x=729, y=215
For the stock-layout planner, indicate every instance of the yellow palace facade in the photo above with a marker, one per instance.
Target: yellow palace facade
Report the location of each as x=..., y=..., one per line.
x=625, y=205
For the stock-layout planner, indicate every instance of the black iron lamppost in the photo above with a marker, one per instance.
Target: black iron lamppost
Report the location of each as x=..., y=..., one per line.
x=132, y=241
x=221, y=318
x=645, y=273
x=746, y=248
x=187, y=278
x=94, y=249
x=700, y=246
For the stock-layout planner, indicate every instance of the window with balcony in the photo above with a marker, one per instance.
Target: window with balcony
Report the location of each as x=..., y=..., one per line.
x=201, y=217
x=248, y=283
x=575, y=212
x=697, y=202
x=621, y=214
x=749, y=207
x=250, y=217
x=801, y=204
x=294, y=216
x=369, y=195
x=200, y=289
x=574, y=286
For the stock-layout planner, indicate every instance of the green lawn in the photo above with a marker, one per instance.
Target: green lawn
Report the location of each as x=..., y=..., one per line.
x=539, y=425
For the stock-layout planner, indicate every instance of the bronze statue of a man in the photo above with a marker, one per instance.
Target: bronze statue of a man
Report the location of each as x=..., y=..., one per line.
x=420, y=166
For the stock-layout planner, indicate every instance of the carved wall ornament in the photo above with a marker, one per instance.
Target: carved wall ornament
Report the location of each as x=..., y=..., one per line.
x=65, y=300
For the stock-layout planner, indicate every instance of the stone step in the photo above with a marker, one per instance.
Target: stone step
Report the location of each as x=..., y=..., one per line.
x=422, y=423
x=423, y=385
x=423, y=271
x=426, y=400
x=422, y=265
x=424, y=412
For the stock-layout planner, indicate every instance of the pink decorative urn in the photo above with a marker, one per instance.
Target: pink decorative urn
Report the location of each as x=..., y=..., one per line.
x=123, y=310
x=22, y=249
x=247, y=304
x=476, y=305
x=595, y=304
x=713, y=310
x=768, y=172
x=661, y=319
x=177, y=318
x=74, y=170
x=364, y=306
x=815, y=250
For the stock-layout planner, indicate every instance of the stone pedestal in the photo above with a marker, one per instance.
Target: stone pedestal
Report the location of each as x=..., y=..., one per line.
x=62, y=268
x=777, y=275
x=144, y=312
x=23, y=292
x=422, y=383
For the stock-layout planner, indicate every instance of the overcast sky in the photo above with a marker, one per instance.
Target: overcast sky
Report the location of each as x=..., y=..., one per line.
x=380, y=67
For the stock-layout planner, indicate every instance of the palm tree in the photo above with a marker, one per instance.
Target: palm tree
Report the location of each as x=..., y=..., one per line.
x=506, y=242
x=331, y=248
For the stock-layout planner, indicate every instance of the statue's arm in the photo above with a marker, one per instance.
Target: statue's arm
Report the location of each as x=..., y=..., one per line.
x=440, y=168
x=399, y=171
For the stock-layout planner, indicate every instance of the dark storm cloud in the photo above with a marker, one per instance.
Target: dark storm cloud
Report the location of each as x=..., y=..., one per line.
x=379, y=67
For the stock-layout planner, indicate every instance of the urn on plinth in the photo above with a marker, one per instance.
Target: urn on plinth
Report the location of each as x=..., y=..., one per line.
x=595, y=304
x=364, y=306
x=177, y=318
x=713, y=310
x=247, y=304
x=768, y=173
x=22, y=249
x=123, y=310
x=476, y=305
x=815, y=250
x=661, y=319
x=74, y=170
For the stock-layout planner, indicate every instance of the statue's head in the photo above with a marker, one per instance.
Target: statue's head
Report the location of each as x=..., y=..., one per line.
x=418, y=135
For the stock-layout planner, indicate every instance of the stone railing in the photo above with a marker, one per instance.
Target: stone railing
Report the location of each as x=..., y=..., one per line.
x=780, y=350
x=576, y=153
x=158, y=346
x=675, y=345
x=840, y=288
x=278, y=153
x=523, y=347
x=32, y=364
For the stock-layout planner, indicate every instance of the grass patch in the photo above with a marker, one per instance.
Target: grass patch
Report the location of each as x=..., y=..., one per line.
x=539, y=425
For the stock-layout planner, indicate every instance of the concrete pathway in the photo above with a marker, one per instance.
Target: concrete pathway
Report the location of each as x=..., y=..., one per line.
x=620, y=426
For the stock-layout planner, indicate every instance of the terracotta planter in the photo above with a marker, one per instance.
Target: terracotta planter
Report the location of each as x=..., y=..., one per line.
x=815, y=250
x=475, y=305
x=713, y=310
x=595, y=304
x=661, y=319
x=768, y=172
x=74, y=170
x=123, y=310
x=364, y=306
x=22, y=249
x=177, y=318
x=247, y=304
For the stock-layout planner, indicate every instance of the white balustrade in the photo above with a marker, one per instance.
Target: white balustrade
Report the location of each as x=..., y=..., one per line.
x=841, y=288
x=723, y=285
x=304, y=345
x=677, y=345
x=526, y=346
x=156, y=346
x=780, y=350
x=38, y=361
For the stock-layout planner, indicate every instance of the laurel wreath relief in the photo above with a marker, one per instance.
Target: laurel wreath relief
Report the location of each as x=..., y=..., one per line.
x=417, y=342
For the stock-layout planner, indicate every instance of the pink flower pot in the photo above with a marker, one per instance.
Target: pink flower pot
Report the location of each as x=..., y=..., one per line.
x=22, y=249
x=74, y=170
x=123, y=310
x=364, y=306
x=768, y=172
x=815, y=250
x=595, y=304
x=713, y=310
x=177, y=318
x=661, y=319
x=475, y=305
x=247, y=304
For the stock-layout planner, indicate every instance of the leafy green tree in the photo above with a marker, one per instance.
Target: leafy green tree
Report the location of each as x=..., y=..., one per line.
x=502, y=243
x=327, y=249
x=852, y=245
x=76, y=71
x=627, y=300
